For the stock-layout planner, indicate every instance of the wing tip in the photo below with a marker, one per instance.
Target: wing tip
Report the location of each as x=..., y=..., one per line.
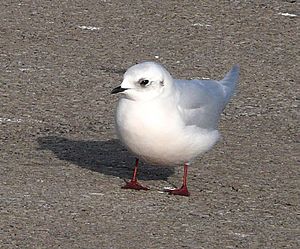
x=233, y=74
x=235, y=68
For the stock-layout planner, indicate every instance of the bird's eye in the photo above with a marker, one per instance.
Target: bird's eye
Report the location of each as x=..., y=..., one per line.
x=144, y=82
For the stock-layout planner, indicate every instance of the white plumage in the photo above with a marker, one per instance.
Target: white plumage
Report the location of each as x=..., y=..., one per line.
x=164, y=120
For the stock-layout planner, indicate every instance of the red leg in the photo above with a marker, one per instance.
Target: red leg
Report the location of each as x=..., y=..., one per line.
x=183, y=190
x=133, y=183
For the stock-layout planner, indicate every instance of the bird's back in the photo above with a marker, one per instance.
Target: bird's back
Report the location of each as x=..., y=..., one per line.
x=202, y=101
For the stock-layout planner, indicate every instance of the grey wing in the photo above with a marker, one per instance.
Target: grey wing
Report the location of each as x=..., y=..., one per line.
x=202, y=101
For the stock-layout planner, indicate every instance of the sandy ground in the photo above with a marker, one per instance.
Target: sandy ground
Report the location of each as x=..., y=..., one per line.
x=62, y=166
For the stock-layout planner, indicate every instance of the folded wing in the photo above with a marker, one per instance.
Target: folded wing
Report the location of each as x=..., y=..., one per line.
x=201, y=102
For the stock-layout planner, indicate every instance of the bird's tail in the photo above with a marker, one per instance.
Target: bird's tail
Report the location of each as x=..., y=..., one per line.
x=230, y=81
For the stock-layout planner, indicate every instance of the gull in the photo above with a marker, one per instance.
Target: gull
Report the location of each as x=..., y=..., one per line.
x=169, y=121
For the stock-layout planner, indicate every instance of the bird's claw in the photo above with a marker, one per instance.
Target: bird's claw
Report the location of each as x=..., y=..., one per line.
x=134, y=185
x=179, y=191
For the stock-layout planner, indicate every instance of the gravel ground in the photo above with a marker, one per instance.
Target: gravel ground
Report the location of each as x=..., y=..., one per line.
x=62, y=166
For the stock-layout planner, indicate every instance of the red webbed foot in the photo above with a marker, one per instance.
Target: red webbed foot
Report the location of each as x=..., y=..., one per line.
x=134, y=185
x=178, y=191
x=183, y=190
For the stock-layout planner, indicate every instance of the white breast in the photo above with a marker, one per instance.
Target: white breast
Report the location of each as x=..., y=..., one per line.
x=160, y=136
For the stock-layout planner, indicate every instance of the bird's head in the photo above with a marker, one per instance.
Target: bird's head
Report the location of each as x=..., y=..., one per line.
x=145, y=81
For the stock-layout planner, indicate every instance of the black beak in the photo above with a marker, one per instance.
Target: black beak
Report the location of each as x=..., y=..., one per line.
x=118, y=89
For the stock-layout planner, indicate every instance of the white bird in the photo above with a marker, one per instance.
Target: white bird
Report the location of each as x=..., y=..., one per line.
x=169, y=121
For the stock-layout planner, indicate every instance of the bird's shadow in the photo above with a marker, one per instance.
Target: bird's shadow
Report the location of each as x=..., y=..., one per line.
x=106, y=157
